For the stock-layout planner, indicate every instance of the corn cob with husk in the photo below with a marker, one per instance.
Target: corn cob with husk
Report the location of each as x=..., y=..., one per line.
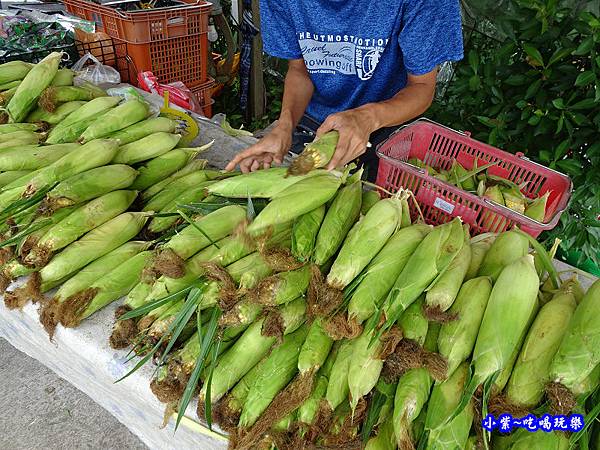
x=54, y=95
x=531, y=372
x=161, y=167
x=369, y=198
x=9, y=85
x=364, y=241
x=17, y=138
x=277, y=370
x=116, y=119
x=384, y=438
x=412, y=393
x=315, y=155
x=86, y=277
x=63, y=77
x=506, y=248
x=511, y=305
x=58, y=115
x=79, y=222
x=160, y=224
x=304, y=233
x=14, y=70
x=340, y=216
x=479, y=247
x=283, y=287
x=296, y=200
x=249, y=349
x=578, y=353
x=5, y=96
x=176, y=188
x=37, y=79
x=381, y=273
x=525, y=440
x=193, y=166
x=12, y=175
x=144, y=128
x=428, y=262
x=536, y=210
x=442, y=294
x=33, y=157
x=71, y=127
x=12, y=127
x=112, y=286
x=457, y=338
x=337, y=387
x=149, y=147
x=88, y=185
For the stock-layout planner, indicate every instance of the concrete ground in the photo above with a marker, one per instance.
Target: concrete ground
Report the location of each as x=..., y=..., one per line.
x=39, y=410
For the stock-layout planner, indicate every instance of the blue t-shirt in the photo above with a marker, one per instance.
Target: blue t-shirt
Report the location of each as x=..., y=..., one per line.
x=360, y=51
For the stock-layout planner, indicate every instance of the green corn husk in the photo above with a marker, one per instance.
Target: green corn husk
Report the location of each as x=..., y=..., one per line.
x=33, y=157
x=12, y=127
x=171, y=192
x=21, y=137
x=454, y=435
x=507, y=248
x=191, y=167
x=364, y=367
x=144, y=128
x=457, y=338
x=249, y=271
x=443, y=293
x=89, y=156
x=90, y=184
x=531, y=371
x=63, y=77
x=381, y=273
x=149, y=147
x=248, y=350
x=340, y=216
x=265, y=183
x=315, y=349
x=276, y=372
x=71, y=127
x=10, y=85
x=513, y=199
x=364, y=241
x=579, y=351
x=384, y=438
x=428, y=262
x=161, y=167
x=525, y=440
x=10, y=176
x=112, y=286
x=54, y=95
x=479, y=248
x=97, y=269
x=315, y=155
x=412, y=393
x=283, y=287
x=53, y=118
x=444, y=399
x=161, y=224
x=5, y=96
x=14, y=70
x=37, y=79
x=338, y=388
x=504, y=375
x=413, y=323
x=116, y=119
x=296, y=200
x=93, y=245
x=304, y=233
x=369, y=198
x=79, y=222
x=215, y=225
x=536, y=210
x=508, y=313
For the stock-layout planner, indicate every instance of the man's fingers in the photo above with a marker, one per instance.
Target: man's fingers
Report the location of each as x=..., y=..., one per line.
x=246, y=164
x=255, y=166
x=326, y=126
x=250, y=151
x=340, y=151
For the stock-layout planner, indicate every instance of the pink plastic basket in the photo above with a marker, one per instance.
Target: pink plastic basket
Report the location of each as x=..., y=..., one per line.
x=438, y=146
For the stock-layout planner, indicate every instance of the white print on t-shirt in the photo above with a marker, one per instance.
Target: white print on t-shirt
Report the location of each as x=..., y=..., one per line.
x=344, y=54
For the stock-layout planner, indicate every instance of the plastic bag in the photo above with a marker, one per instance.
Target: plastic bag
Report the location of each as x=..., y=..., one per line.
x=95, y=73
x=179, y=94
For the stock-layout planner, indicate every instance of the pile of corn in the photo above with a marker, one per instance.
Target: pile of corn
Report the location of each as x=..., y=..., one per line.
x=324, y=318
x=499, y=190
x=88, y=184
x=300, y=310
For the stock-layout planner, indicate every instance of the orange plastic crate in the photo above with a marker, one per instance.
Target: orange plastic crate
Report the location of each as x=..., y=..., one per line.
x=203, y=93
x=171, y=42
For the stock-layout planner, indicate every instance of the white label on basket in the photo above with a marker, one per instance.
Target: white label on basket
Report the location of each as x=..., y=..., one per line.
x=443, y=205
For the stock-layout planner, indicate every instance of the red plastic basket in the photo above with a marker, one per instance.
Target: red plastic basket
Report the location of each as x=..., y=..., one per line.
x=170, y=42
x=438, y=146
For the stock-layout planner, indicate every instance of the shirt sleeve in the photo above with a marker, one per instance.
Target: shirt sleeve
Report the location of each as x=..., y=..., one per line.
x=278, y=30
x=431, y=34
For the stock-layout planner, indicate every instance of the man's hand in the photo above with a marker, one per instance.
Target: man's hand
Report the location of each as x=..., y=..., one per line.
x=271, y=148
x=355, y=127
